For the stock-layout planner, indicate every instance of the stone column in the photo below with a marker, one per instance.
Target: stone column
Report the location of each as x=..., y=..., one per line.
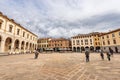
x=2, y=46
x=19, y=51
x=24, y=48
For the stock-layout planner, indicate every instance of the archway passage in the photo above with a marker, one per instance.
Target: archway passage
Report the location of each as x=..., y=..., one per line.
x=91, y=48
x=0, y=42
x=26, y=46
x=22, y=45
x=78, y=49
x=82, y=49
x=74, y=49
x=16, y=44
x=116, y=49
x=97, y=48
x=86, y=48
x=8, y=43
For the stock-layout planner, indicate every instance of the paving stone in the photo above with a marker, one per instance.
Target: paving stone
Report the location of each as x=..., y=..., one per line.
x=59, y=67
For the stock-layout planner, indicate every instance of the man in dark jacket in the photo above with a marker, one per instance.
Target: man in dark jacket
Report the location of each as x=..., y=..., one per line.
x=87, y=55
x=108, y=55
x=102, y=54
x=36, y=54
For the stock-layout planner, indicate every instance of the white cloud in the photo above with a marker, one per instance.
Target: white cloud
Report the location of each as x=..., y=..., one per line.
x=65, y=18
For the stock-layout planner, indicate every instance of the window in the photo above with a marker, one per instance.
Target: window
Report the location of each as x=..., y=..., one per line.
x=96, y=43
x=113, y=35
x=18, y=31
x=107, y=36
x=86, y=40
x=103, y=43
x=10, y=28
x=103, y=37
x=114, y=41
x=27, y=35
x=108, y=42
x=77, y=42
x=91, y=40
x=23, y=34
x=81, y=40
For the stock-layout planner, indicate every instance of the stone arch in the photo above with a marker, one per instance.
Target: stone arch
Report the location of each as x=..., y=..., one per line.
x=82, y=48
x=22, y=45
x=0, y=42
x=8, y=44
x=91, y=48
x=97, y=48
x=16, y=44
x=74, y=49
x=26, y=45
x=30, y=47
x=116, y=49
x=78, y=49
x=33, y=47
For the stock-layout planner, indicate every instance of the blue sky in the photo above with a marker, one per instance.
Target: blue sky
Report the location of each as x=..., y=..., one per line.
x=63, y=18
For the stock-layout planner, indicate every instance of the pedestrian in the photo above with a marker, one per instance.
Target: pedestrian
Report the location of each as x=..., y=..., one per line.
x=111, y=52
x=108, y=55
x=102, y=54
x=36, y=54
x=87, y=55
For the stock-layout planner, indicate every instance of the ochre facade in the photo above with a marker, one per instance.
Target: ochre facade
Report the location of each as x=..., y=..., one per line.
x=60, y=44
x=82, y=41
x=43, y=43
x=14, y=38
x=111, y=40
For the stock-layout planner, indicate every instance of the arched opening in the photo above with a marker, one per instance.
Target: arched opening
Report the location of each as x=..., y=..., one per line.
x=0, y=42
x=33, y=46
x=78, y=49
x=30, y=46
x=97, y=48
x=26, y=46
x=16, y=44
x=91, y=48
x=8, y=43
x=116, y=49
x=86, y=48
x=74, y=49
x=22, y=45
x=82, y=49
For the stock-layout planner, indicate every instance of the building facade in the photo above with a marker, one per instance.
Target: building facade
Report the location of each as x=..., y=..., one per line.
x=60, y=44
x=111, y=40
x=14, y=38
x=89, y=41
x=43, y=44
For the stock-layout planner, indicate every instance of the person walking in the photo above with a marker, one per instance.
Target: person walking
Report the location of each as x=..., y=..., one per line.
x=111, y=52
x=108, y=56
x=87, y=55
x=36, y=54
x=102, y=54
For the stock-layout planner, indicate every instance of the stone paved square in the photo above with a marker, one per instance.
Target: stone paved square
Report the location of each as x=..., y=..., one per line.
x=59, y=66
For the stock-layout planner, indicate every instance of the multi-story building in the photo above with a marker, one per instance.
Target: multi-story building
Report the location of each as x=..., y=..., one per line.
x=14, y=38
x=83, y=41
x=111, y=40
x=43, y=44
x=60, y=44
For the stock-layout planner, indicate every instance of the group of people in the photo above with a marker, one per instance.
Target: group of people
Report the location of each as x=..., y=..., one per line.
x=108, y=53
x=87, y=53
